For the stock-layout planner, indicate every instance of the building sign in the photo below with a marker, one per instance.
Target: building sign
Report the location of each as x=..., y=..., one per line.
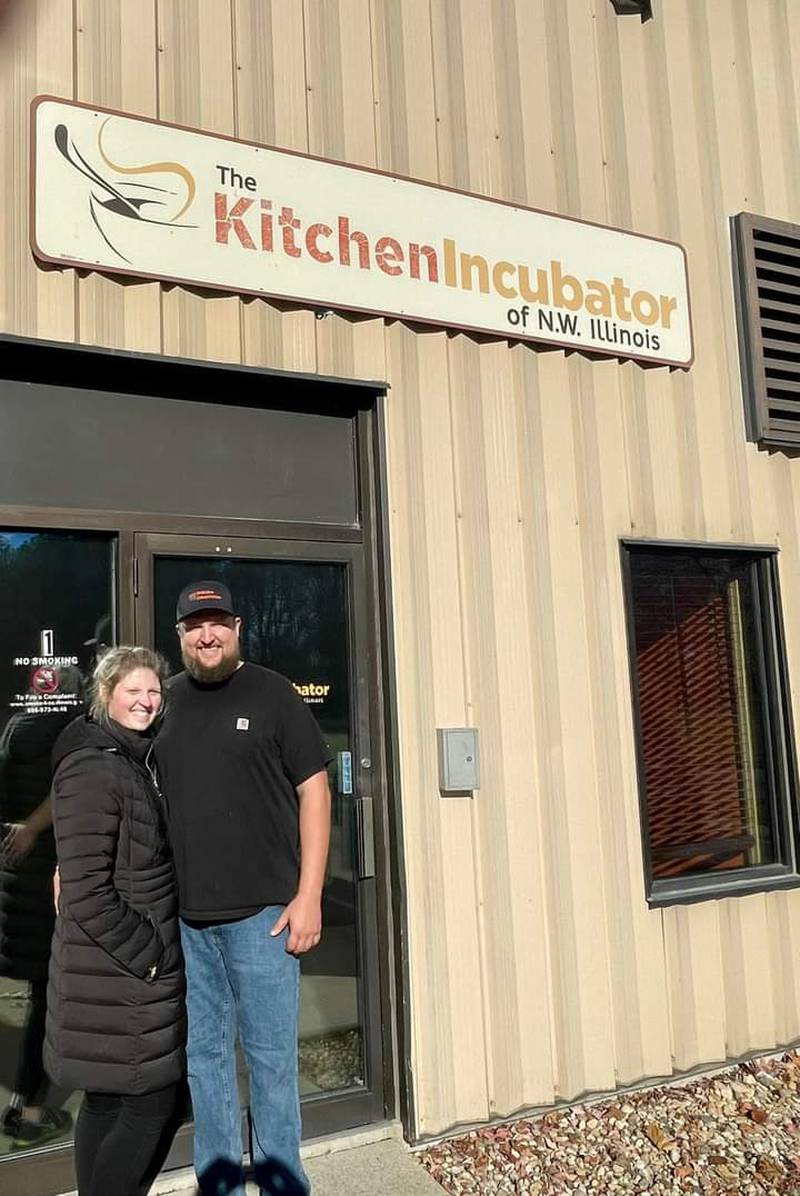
x=132, y=196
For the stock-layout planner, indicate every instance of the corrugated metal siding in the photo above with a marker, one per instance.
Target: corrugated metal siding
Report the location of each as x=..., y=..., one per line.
x=537, y=971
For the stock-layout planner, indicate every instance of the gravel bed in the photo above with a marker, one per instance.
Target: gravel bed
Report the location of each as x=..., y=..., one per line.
x=736, y=1133
x=332, y=1060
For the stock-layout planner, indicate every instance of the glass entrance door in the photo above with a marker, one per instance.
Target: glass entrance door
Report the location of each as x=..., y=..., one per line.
x=57, y=611
x=303, y=613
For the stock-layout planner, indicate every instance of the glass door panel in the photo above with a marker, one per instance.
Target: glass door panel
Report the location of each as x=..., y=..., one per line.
x=57, y=609
x=297, y=608
x=295, y=621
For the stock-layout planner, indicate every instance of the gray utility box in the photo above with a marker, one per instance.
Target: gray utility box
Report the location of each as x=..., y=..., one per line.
x=459, y=764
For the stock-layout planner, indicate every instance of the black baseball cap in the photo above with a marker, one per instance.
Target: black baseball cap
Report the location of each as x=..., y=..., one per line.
x=203, y=595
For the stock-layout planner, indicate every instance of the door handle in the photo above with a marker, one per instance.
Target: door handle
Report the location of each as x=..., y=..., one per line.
x=365, y=838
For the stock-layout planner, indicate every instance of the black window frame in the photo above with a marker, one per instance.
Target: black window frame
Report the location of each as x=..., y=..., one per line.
x=779, y=732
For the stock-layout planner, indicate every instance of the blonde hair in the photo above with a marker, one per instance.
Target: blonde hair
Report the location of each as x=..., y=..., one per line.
x=113, y=666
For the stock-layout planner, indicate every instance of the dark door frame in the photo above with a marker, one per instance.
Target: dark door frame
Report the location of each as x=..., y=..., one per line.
x=349, y=1108
x=50, y=1170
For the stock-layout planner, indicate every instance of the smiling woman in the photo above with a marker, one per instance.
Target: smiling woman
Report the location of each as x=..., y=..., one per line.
x=115, y=946
x=127, y=687
x=136, y=700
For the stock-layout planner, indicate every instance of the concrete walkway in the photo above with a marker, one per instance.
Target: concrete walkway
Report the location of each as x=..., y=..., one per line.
x=363, y=1163
x=382, y=1169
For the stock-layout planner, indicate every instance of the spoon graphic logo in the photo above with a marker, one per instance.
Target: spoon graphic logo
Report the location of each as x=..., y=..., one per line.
x=118, y=195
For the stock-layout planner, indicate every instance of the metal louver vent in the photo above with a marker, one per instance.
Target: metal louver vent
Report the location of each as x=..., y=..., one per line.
x=768, y=307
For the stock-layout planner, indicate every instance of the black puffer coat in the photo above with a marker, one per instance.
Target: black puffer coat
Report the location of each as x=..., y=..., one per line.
x=109, y=1027
x=27, y=916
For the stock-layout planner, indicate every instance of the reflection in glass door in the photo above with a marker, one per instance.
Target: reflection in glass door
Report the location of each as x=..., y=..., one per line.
x=56, y=614
x=298, y=619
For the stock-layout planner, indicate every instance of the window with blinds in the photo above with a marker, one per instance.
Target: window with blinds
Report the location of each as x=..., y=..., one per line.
x=767, y=276
x=716, y=768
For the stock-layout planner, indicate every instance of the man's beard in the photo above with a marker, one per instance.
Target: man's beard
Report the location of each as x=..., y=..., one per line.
x=217, y=672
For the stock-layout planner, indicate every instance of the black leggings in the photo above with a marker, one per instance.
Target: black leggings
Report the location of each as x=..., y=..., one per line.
x=116, y=1139
x=30, y=1079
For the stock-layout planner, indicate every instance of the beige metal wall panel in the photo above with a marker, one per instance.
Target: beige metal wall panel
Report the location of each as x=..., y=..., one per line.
x=196, y=88
x=497, y=955
x=570, y=794
x=515, y=952
x=680, y=469
x=776, y=129
x=749, y=1002
x=36, y=55
x=405, y=99
x=115, y=66
x=270, y=98
x=522, y=103
x=341, y=124
x=641, y=1019
x=785, y=965
x=695, y=970
x=448, y=1019
x=537, y=970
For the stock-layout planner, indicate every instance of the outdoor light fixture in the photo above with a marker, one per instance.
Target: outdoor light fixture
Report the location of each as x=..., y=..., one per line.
x=634, y=8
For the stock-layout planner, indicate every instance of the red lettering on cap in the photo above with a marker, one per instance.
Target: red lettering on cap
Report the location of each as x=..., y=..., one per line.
x=204, y=596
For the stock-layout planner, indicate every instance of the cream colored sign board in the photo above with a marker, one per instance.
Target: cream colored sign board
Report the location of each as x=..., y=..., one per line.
x=127, y=195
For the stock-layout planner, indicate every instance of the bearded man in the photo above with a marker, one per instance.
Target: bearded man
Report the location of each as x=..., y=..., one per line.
x=243, y=769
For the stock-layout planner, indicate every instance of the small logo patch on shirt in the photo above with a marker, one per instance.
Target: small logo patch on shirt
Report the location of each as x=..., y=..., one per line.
x=243, y=724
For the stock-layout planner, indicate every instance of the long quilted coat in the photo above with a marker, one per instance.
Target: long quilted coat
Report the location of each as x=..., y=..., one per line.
x=27, y=916
x=110, y=1028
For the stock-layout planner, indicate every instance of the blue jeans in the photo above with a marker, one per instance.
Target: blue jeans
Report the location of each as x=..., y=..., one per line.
x=237, y=976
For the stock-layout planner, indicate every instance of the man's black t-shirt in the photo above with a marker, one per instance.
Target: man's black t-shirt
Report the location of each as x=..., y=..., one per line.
x=229, y=756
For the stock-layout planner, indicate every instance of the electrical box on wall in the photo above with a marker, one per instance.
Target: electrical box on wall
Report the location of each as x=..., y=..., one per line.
x=459, y=765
